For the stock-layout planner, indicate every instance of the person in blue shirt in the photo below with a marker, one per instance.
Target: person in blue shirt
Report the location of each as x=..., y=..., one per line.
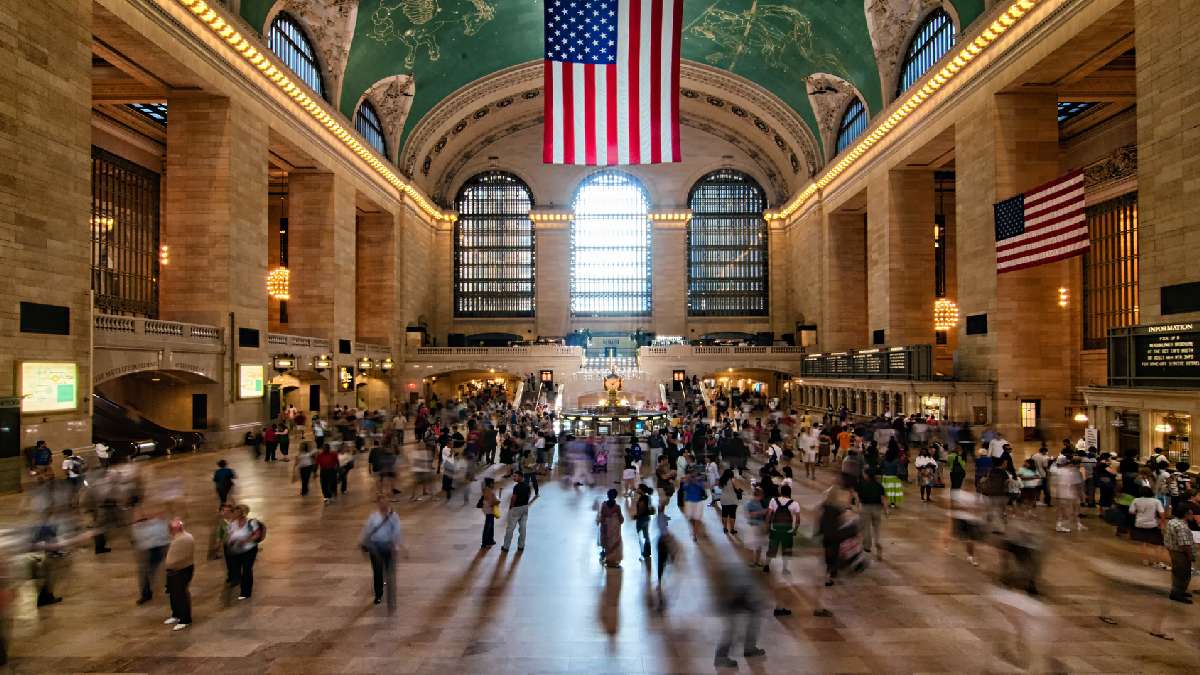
x=380, y=540
x=223, y=479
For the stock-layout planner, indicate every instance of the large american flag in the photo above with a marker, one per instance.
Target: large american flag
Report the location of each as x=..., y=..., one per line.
x=612, y=81
x=1043, y=225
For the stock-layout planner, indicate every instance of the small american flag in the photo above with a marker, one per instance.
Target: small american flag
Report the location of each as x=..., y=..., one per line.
x=1043, y=225
x=612, y=81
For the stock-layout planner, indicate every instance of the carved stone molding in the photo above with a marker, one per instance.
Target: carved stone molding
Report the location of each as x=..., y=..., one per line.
x=392, y=98
x=1118, y=166
x=330, y=26
x=892, y=24
x=829, y=95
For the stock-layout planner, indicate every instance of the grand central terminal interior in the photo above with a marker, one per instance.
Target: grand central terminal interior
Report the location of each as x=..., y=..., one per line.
x=488, y=246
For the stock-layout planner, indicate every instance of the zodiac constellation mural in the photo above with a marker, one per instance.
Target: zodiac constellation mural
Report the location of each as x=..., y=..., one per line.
x=417, y=23
x=765, y=31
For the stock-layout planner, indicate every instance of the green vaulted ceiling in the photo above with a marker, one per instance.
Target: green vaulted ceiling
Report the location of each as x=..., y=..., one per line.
x=446, y=44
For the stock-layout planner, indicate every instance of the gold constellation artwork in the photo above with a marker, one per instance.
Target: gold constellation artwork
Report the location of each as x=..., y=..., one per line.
x=417, y=23
x=762, y=32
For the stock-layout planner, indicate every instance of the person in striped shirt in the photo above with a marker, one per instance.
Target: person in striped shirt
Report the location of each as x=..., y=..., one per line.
x=1180, y=543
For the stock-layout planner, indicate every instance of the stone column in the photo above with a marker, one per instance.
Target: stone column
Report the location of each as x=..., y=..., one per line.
x=1007, y=146
x=1168, y=105
x=377, y=278
x=669, y=248
x=900, y=256
x=845, y=301
x=321, y=256
x=45, y=210
x=215, y=221
x=553, y=272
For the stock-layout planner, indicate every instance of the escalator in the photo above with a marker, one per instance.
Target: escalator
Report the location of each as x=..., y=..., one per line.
x=130, y=434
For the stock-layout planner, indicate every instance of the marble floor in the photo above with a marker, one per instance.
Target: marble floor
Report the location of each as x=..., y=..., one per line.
x=554, y=609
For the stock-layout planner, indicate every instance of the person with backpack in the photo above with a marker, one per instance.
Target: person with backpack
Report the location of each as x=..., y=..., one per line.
x=74, y=467
x=957, y=467
x=241, y=546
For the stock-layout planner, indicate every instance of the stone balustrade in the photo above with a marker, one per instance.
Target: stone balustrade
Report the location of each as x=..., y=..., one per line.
x=527, y=351
x=285, y=340
x=689, y=351
x=109, y=327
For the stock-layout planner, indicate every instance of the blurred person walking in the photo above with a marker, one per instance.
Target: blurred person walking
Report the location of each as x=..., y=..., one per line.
x=245, y=534
x=643, y=509
x=180, y=564
x=151, y=537
x=380, y=540
x=1180, y=542
x=610, y=520
x=872, y=507
x=306, y=464
x=327, y=467
x=222, y=480
x=740, y=601
x=270, y=438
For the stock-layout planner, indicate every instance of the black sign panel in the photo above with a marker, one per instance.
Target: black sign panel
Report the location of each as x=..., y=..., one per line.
x=900, y=363
x=1165, y=355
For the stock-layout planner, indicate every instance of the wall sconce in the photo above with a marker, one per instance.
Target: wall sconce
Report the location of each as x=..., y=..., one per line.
x=1164, y=428
x=164, y=255
x=1064, y=297
x=322, y=363
x=387, y=364
x=1081, y=417
x=284, y=362
x=945, y=315
x=279, y=283
x=365, y=363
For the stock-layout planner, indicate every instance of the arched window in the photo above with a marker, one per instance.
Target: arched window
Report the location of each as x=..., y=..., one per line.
x=727, y=246
x=493, y=247
x=854, y=122
x=933, y=40
x=288, y=41
x=610, y=247
x=366, y=121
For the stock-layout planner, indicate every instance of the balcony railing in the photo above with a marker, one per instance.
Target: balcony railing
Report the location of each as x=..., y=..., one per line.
x=285, y=340
x=108, y=324
x=529, y=351
x=689, y=351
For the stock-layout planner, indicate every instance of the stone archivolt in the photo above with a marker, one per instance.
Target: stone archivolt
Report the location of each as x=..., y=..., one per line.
x=891, y=24
x=829, y=95
x=330, y=26
x=392, y=98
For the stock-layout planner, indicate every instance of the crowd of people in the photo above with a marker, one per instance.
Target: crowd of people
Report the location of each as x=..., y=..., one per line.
x=742, y=459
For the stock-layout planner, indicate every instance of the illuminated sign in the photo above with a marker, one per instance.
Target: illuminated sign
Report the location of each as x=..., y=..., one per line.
x=251, y=380
x=345, y=378
x=49, y=386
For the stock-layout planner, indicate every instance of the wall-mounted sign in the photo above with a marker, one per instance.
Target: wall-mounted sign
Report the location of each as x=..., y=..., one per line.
x=251, y=379
x=678, y=375
x=284, y=362
x=1164, y=355
x=365, y=363
x=547, y=375
x=387, y=364
x=322, y=363
x=49, y=386
x=345, y=378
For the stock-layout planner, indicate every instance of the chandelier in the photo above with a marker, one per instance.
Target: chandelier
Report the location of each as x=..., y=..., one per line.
x=279, y=283
x=945, y=315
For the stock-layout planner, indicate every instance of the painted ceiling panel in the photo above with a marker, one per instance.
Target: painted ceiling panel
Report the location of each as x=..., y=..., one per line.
x=446, y=44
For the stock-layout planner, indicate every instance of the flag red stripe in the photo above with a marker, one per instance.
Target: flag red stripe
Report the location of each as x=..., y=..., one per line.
x=611, y=76
x=656, y=22
x=1043, y=261
x=1040, y=201
x=1078, y=236
x=1033, y=192
x=677, y=32
x=568, y=93
x=634, y=69
x=589, y=105
x=548, y=112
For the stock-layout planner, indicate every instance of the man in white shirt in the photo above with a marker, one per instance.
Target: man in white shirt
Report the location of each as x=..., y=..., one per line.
x=996, y=446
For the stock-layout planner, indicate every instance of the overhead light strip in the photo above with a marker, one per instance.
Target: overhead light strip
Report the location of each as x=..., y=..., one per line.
x=1015, y=12
x=276, y=74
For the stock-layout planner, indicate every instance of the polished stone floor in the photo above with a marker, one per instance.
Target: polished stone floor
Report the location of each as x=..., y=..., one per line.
x=554, y=609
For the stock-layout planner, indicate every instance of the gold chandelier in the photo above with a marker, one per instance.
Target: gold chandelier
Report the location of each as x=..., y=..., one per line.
x=945, y=315
x=279, y=283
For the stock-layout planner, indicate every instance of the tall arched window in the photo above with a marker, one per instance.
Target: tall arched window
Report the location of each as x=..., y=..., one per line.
x=727, y=246
x=934, y=38
x=854, y=123
x=610, y=247
x=493, y=247
x=288, y=40
x=366, y=121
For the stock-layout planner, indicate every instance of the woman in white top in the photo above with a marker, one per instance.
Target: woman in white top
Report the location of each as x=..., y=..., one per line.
x=1147, y=512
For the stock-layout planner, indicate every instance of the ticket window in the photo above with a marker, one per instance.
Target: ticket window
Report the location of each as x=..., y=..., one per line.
x=934, y=406
x=1172, y=433
x=1031, y=413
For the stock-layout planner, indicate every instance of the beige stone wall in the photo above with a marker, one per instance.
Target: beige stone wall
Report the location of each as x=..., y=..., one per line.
x=553, y=278
x=321, y=255
x=844, y=323
x=669, y=267
x=45, y=139
x=1168, y=150
x=377, y=278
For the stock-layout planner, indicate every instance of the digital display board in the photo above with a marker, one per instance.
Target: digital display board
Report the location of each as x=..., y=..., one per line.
x=251, y=380
x=49, y=386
